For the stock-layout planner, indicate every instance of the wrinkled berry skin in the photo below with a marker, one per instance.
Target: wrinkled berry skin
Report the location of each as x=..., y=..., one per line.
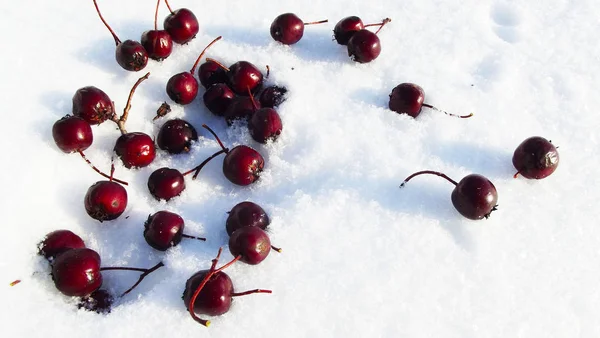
x=535, y=158
x=364, y=46
x=131, y=55
x=242, y=165
x=214, y=299
x=77, y=272
x=475, y=197
x=407, y=98
x=93, y=105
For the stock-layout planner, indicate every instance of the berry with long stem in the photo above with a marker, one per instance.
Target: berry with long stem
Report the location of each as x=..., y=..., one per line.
x=408, y=98
x=158, y=43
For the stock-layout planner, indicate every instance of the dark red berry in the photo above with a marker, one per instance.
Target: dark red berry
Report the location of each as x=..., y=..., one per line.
x=407, y=98
x=105, y=200
x=166, y=183
x=288, y=29
x=93, y=105
x=251, y=243
x=136, y=149
x=163, y=230
x=176, y=136
x=76, y=272
x=364, y=46
x=215, y=297
x=157, y=43
x=58, y=242
x=72, y=133
x=242, y=165
x=265, y=125
x=345, y=28
x=217, y=98
x=182, y=25
x=535, y=158
x=242, y=76
x=240, y=108
x=246, y=214
x=272, y=96
x=211, y=73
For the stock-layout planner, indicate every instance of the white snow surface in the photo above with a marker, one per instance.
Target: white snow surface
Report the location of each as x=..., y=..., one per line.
x=361, y=257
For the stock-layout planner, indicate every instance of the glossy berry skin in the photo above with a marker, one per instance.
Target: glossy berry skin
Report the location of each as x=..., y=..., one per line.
x=287, y=28
x=158, y=44
x=215, y=297
x=240, y=108
x=182, y=88
x=131, y=55
x=182, y=25
x=72, y=133
x=364, y=46
x=59, y=241
x=135, y=149
x=246, y=214
x=251, y=243
x=163, y=230
x=99, y=301
x=77, y=272
x=265, y=124
x=176, y=136
x=243, y=75
x=105, y=200
x=217, y=98
x=345, y=29
x=211, y=73
x=166, y=183
x=272, y=96
x=407, y=98
x=242, y=165
x=475, y=197
x=93, y=105
x=535, y=158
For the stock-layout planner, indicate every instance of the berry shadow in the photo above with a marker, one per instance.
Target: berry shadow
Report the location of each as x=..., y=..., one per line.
x=371, y=97
x=240, y=35
x=320, y=46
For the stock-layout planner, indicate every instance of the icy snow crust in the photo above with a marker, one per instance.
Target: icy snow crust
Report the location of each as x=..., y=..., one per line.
x=361, y=257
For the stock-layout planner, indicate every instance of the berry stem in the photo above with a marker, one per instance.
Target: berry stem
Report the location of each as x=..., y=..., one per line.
x=210, y=273
x=13, y=283
x=437, y=109
x=218, y=63
x=249, y=292
x=315, y=22
x=199, y=167
x=117, y=41
x=121, y=121
x=516, y=174
x=112, y=170
x=156, y=16
x=428, y=172
x=383, y=23
x=98, y=170
x=276, y=248
x=142, y=276
x=169, y=6
x=252, y=98
x=268, y=71
x=202, y=54
x=216, y=137
x=193, y=237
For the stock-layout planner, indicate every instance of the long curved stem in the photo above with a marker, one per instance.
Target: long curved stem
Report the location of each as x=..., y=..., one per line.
x=199, y=167
x=169, y=6
x=383, y=23
x=437, y=109
x=315, y=22
x=218, y=63
x=145, y=272
x=98, y=170
x=249, y=292
x=117, y=40
x=431, y=172
x=202, y=54
x=121, y=121
x=156, y=16
x=216, y=137
x=252, y=98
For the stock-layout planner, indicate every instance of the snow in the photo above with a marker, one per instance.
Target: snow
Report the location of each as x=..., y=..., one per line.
x=361, y=257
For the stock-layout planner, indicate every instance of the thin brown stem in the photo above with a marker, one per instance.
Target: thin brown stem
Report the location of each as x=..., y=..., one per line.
x=268, y=71
x=98, y=170
x=249, y=292
x=218, y=64
x=13, y=283
x=383, y=23
x=142, y=276
x=199, y=167
x=216, y=137
x=437, y=173
x=193, y=237
x=516, y=174
x=315, y=22
x=156, y=16
x=202, y=54
x=216, y=259
x=121, y=121
x=276, y=248
x=122, y=268
x=112, y=170
x=437, y=109
x=252, y=98
x=168, y=6
x=117, y=40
